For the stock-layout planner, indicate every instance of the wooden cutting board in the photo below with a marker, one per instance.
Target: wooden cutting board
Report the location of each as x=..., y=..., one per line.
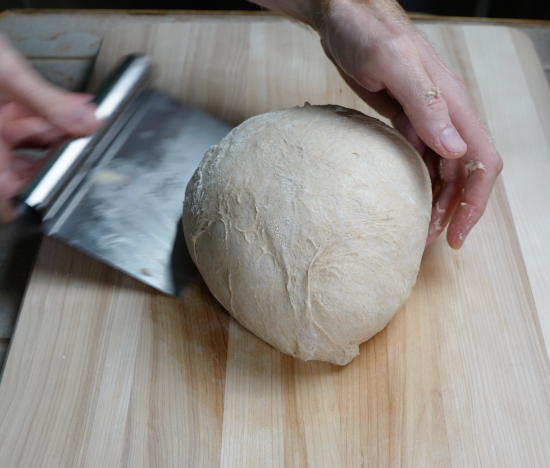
x=106, y=372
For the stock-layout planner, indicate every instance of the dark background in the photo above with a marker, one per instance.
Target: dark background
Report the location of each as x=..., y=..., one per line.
x=525, y=9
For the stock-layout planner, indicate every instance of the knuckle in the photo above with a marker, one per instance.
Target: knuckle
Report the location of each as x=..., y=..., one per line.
x=493, y=162
x=365, y=74
x=379, y=57
x=498, y=163
x=458, y=86
x=436, y=106
x=429, y=109
x=396, y=45
x=371, y=85
x=391, y=48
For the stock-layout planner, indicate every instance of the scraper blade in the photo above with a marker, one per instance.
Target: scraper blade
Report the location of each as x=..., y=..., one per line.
x=123, y=203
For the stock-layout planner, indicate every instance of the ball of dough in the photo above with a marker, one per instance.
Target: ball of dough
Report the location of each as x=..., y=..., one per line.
x=308, y=225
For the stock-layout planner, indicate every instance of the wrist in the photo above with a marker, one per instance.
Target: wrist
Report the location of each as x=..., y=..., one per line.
x=385, y=14
x=309, y=12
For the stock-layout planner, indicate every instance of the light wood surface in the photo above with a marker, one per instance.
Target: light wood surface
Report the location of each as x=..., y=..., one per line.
x=104, y=371
x=62, y=45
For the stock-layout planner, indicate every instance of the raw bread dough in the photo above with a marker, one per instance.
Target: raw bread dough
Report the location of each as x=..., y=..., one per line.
x=308, y=225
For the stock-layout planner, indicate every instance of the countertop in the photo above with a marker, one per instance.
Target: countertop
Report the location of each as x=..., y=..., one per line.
x=62, y=46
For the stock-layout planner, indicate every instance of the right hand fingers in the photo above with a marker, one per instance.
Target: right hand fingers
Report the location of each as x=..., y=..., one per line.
x=407, y=76
x=15, y=174
x=396, y=65
x=20, y=83
x=452, y=177
x=22, y=128
x=374, y=44
x=482, y=159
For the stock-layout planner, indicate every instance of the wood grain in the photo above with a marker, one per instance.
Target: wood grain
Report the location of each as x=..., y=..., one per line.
x=459, y=378
x=92, y=334
x=527, y=158
x=233, y=71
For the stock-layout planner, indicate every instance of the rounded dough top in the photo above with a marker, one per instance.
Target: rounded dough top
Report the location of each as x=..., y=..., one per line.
x=308, y=225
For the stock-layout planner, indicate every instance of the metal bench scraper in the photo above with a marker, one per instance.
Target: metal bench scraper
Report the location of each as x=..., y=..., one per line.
x=117, y=194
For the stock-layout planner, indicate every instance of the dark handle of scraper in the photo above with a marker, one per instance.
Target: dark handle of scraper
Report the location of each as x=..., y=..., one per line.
x=70, y=160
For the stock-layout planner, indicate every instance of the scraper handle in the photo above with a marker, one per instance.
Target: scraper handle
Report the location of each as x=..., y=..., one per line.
x=133, y=74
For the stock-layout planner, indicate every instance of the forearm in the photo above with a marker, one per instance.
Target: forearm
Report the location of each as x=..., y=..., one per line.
x=315, y=12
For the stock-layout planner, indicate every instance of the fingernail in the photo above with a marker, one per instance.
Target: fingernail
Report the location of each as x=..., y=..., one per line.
x=451, y=141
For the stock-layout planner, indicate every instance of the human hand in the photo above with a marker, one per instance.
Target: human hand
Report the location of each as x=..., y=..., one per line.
x=33, y=113
x=386, y=61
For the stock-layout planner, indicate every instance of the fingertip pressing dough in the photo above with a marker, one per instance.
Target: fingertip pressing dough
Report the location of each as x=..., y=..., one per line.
x=308, y=225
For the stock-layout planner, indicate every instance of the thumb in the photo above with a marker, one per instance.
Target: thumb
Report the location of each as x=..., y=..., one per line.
x=20, y=83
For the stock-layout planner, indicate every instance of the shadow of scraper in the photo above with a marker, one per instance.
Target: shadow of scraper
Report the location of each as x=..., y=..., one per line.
x=181, y=263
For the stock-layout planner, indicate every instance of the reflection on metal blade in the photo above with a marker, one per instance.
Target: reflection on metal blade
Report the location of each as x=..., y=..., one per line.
x=127, y=210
